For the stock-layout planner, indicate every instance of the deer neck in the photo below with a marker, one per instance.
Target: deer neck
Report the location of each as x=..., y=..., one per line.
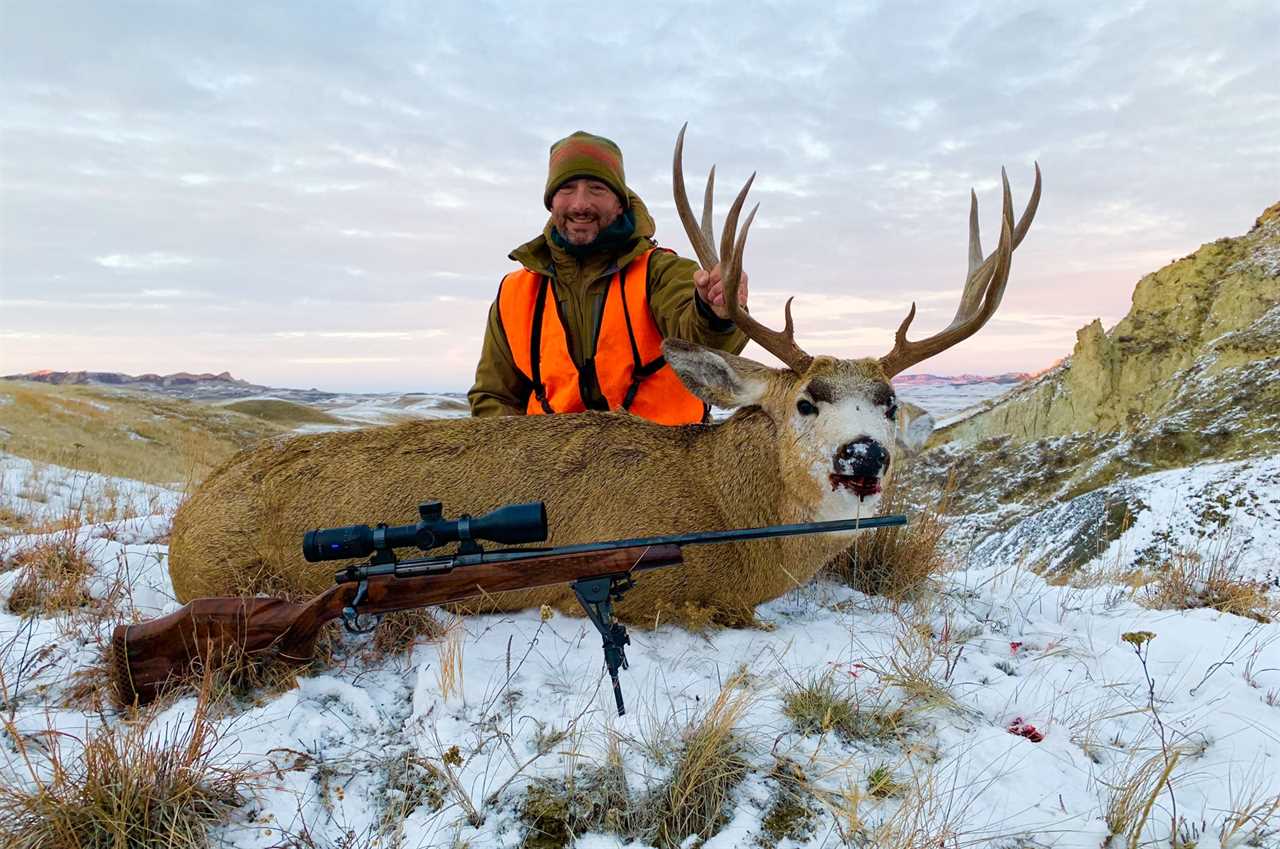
x=737, y=462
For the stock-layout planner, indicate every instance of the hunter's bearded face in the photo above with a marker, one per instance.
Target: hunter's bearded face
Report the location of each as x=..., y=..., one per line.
x=581, y=208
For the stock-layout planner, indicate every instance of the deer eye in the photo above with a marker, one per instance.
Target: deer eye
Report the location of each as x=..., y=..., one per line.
x=892, y=412
x=806, y=407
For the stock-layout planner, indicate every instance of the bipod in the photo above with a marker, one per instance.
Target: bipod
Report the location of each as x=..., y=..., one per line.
x=596, y=595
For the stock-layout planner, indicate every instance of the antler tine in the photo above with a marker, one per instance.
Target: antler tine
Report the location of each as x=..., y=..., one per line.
x=731, y=221
x=781, y=345
x=984, y=287
x=702, y=246
x=707, y=235
x=1023, y=225
x=975, y=240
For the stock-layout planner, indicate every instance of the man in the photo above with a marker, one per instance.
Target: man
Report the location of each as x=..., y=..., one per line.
x=579, y=326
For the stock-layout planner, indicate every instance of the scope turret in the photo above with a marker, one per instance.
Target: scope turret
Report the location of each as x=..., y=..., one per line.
x=512, y=525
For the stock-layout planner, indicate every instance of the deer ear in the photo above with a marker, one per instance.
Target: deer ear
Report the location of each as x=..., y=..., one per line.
x=914, y=428
x=716, y=377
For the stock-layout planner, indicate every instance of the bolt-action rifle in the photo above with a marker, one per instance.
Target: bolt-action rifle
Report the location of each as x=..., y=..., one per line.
x=147, y=656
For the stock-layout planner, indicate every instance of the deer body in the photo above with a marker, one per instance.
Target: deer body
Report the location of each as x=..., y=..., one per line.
x=810, y=442
x=602, y=475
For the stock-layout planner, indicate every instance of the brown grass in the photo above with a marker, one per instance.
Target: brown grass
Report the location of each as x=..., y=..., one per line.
x=53, y=575
x=708, y=765
x=1194, y=579
x=129, y=785
x=400, y=631
x=134, y=435
x=895, y=562
x=820, y=705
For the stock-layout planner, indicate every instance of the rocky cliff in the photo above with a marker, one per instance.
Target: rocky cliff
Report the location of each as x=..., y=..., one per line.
x=1211, y=319
x=1190, y=375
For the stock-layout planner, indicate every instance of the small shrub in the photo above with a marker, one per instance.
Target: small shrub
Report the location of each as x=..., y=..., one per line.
x=882, y=784
x=555, y=812
x=412, y=782
x=793, y=811
x=1192, y=579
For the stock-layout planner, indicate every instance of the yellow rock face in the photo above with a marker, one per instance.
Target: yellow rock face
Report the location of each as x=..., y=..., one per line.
x=1200, y=329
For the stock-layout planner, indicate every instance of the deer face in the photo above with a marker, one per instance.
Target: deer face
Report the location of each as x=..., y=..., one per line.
x=836, y=424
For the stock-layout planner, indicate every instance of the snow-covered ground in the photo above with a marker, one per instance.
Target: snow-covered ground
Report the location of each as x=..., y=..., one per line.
x=998, y=648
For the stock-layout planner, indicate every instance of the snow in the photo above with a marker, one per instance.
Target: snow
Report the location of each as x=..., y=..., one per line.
x=1003, y=643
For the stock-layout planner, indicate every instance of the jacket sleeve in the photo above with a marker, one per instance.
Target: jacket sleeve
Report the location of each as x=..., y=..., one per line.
x=678, y=311
x=500, y=389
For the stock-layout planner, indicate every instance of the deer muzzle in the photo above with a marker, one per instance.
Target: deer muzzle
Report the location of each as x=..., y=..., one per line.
x=858, y=466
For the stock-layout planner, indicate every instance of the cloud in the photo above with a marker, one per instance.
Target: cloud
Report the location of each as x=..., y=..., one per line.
x=359, y=334
x=153, y=261
x=328, y=171
x=339, y=361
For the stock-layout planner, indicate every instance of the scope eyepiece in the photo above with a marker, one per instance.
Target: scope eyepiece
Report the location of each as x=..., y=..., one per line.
x=512, y=524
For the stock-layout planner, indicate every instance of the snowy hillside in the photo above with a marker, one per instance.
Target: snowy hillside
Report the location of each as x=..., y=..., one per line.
x=998, y=709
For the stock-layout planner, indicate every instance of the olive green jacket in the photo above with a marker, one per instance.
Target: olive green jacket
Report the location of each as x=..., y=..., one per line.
x=580, y=285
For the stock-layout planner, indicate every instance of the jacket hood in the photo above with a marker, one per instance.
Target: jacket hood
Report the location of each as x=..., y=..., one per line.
x=535, y=254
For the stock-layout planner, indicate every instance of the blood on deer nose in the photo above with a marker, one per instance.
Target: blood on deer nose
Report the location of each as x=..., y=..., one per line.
x=863, y=458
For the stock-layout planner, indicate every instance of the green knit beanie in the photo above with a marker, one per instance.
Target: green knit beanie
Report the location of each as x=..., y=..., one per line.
x=585, y=155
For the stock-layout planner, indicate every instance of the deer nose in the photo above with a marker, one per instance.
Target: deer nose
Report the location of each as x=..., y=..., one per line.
x=863, y=457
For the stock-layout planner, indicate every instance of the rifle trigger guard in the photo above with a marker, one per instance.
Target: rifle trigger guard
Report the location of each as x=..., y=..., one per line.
x=596, y=595
x=351, y=614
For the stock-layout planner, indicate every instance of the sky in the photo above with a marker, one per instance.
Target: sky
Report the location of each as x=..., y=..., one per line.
x=325, y=194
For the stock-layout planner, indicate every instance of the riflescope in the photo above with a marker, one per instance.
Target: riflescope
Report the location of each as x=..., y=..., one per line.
x=512, y=524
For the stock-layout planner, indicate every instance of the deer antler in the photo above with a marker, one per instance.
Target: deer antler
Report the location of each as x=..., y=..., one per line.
x=781, y=345
x=983, y=288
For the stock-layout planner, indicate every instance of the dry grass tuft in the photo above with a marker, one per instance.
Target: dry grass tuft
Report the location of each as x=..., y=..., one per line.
x=1132, y=792
x=556, y=812
x=1193, y=579
x=53, y=575
x=400, y=631
x=708, y=765
x=129, y=785
x=820, y=705
x=793, y=810
x=450, y=652
x=895, y=562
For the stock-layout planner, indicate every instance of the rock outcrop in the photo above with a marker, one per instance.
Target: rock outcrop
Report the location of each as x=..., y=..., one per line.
x=1211, y=318
x=1190, y=375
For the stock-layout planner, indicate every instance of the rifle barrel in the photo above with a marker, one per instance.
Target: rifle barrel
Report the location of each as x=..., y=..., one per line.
x=698, y=538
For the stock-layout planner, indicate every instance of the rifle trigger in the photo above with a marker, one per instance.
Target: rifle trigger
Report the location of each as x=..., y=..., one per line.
x=351, y=615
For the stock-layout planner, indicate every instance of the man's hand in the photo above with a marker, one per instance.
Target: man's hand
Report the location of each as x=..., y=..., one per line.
x=711, y=290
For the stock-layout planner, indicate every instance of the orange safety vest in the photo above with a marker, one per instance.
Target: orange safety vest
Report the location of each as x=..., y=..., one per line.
x=627, y=362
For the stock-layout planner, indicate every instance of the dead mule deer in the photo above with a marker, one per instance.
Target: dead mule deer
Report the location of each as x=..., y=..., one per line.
x=808, y=442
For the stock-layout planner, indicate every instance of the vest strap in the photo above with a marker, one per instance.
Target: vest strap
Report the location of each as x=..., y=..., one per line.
x=535, y=346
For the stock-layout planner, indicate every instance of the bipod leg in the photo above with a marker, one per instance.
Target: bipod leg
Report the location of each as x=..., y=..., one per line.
x=596, y=595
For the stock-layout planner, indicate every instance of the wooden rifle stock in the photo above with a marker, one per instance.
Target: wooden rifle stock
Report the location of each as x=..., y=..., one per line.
x=149, y=656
